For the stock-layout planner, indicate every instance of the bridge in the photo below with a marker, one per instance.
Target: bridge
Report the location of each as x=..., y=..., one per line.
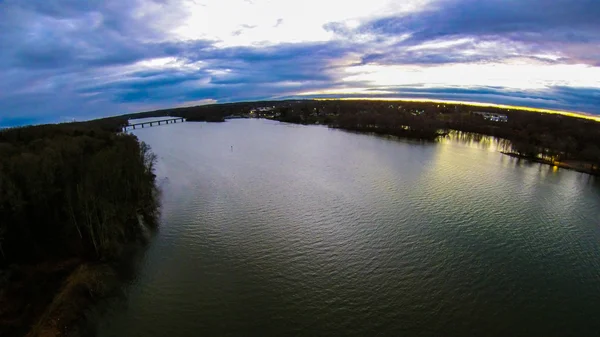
x=152, y=123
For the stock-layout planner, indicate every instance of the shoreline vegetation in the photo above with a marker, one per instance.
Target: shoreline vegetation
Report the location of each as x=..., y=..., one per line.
x=568, y=142
x=77, y=199
x=573, y=165
x=74, y=199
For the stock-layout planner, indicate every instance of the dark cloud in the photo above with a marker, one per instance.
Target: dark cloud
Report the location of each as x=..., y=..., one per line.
x=70, y=33
x=561, y=20
x=543, y=25
x=233, y=74
x=67, y=59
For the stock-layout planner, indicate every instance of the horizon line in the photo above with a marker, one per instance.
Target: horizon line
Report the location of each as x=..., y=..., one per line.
x=575, y=114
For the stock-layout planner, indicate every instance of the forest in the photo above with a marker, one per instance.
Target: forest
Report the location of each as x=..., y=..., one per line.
x=73, y=198
x=205, y=113
x=72, y=190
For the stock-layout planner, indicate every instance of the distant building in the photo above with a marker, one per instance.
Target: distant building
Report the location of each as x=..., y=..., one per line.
x=492, y=116
x=266, y=112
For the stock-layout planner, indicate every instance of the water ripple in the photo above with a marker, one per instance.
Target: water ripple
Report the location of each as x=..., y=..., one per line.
x=306, y=231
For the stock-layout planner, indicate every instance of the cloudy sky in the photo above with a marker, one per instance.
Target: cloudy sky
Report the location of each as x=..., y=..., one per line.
x=65, y=59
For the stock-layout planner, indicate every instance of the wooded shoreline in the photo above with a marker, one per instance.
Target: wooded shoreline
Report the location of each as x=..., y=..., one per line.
x=71, y=200
x=579, y=167
x=561, y=137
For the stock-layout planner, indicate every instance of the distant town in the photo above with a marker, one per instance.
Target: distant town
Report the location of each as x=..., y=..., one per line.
x=493, y=117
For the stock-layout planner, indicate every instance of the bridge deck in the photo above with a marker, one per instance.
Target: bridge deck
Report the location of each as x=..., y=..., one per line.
x=151, y=123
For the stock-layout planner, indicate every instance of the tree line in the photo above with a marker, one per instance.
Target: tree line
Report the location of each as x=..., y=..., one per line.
x=73, y=190
x=551, y=137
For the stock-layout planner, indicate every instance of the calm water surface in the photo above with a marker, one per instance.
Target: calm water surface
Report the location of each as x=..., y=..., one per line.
x=307, y=231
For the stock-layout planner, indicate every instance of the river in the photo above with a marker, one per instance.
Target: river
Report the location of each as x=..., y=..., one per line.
x=272, y=229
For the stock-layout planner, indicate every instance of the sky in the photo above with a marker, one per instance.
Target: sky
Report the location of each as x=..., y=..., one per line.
x=65, y=60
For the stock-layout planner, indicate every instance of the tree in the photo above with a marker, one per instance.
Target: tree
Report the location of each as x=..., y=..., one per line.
x=591, y=153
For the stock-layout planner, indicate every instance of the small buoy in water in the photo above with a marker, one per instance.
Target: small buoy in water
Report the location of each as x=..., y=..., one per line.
x=231, y=148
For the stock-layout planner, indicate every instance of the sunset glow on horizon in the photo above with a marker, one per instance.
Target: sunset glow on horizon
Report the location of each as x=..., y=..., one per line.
x=81, y=60
x=491, y=105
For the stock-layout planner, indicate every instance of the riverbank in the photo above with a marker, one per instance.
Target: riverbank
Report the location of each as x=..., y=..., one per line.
x=75, y=199
x=569, y=165
x=425, y=134
x=53, y=299
x=85, y=286
x=25, y=292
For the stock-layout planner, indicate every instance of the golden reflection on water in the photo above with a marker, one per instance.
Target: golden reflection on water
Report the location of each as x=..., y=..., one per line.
x=476, y=141
x=531, y=174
